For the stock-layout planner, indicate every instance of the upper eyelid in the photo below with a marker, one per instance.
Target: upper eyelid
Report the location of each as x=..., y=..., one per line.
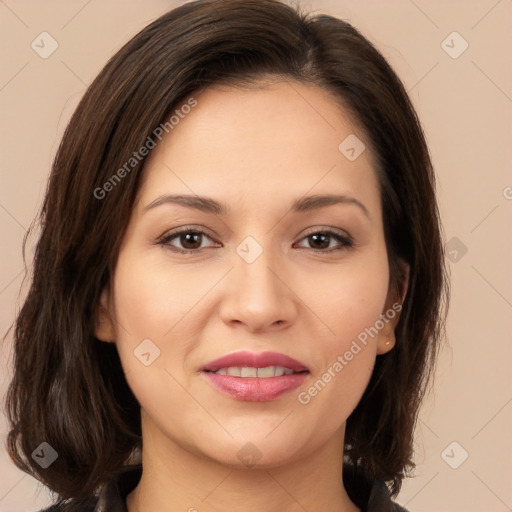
x=336, y=231
x=202, y=230
x=185, y=229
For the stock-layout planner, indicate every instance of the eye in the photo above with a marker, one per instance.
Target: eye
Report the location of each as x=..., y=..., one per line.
x=321, y=241
x=189, y=239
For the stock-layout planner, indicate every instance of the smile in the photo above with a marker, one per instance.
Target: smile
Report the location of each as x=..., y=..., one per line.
x=248, y=371
x=255, y=377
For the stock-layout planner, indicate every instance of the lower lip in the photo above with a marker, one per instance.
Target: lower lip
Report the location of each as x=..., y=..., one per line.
x=254, y=389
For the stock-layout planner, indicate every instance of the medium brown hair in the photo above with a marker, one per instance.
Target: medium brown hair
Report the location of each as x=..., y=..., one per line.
x=68, y=387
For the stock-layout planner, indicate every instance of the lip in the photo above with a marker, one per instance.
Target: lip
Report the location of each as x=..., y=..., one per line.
x=255, y=360
x=255, y=389
x=251, y=389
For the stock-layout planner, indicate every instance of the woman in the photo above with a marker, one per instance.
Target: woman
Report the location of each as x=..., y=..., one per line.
x=237, y=296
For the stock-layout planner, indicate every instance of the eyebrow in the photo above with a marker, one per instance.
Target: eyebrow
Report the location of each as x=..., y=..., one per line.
x=209, y=205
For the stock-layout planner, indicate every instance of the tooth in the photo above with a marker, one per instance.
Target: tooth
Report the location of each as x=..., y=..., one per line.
x=266, y=372
x=247, y=371
x=279, y=371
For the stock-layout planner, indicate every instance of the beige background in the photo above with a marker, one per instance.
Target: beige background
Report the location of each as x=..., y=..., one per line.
x=465, y=105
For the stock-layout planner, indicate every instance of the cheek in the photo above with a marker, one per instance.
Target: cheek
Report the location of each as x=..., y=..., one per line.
x=143, y=311
x=347, y=357
x=151, y=309
x=158, y=322
x=351, y=300
x=334, y=393
x=153, y=300
x=350, y=303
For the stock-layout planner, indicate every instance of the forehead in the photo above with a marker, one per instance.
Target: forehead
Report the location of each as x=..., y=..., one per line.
x=261, y=144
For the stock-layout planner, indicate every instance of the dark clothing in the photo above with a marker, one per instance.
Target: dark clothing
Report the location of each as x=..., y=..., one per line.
x=368, y=496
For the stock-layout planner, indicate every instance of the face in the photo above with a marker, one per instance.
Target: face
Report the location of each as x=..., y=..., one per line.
x=256, y=272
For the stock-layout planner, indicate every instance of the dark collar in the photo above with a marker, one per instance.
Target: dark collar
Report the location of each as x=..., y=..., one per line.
x=368, y=496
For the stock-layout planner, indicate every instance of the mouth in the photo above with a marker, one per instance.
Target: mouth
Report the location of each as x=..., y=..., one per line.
x=259, y=373
x=254, y=377
x=249, y=361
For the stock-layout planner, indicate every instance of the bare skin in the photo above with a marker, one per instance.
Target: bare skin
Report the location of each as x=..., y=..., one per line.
x=256, y=151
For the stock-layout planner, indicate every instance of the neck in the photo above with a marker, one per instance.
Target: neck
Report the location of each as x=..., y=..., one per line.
x=174, y=478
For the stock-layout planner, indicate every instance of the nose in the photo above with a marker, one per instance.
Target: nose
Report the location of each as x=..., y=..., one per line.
x=259, y=295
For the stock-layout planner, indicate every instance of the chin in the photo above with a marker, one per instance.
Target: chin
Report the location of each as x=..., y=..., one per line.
x=254, y=450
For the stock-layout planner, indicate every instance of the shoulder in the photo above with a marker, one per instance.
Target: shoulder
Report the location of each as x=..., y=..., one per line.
x=380, y=500
x=370, y=495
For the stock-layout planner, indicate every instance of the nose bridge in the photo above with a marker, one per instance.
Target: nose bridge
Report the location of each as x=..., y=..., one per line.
x=258, y=296
x=256, y=268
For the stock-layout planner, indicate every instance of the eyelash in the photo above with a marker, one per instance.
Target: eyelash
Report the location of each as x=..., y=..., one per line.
x=346, y=241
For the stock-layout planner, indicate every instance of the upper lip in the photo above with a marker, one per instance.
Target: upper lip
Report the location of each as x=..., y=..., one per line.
x=254, y=360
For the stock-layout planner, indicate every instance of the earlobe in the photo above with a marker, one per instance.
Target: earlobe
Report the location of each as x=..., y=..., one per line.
x=385, y=343
x=103, y=324
x=387, y=339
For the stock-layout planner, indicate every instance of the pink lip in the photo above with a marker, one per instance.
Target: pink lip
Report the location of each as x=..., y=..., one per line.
x=254, y=389
x=255, y=360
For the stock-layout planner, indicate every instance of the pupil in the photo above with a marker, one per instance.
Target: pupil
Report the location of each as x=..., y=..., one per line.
x=324, y=236
x=188, y=239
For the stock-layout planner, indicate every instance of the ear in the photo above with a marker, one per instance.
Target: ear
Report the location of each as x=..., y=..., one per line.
x=103, y=323
x=391, y=314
